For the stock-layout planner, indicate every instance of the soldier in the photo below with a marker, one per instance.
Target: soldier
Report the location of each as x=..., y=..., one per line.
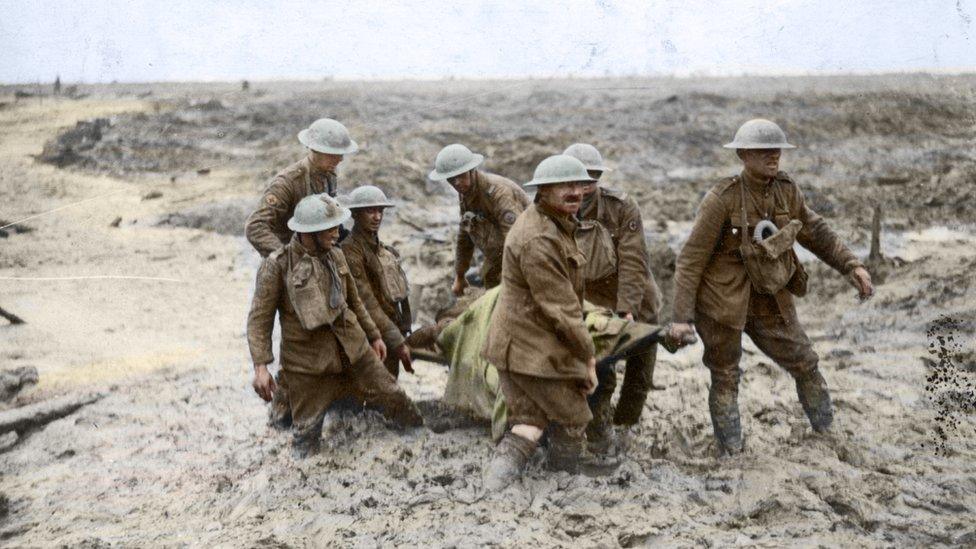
x=729, y=280
x=327, y=142
x=489, y=205
x=326, y=333
x=380, y=279
x=536, y=338
x=618, y=278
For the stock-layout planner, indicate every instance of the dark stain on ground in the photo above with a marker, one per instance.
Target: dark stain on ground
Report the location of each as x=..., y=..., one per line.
x=949, y=387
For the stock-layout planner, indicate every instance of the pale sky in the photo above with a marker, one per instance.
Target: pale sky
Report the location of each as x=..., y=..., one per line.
x=135, y=41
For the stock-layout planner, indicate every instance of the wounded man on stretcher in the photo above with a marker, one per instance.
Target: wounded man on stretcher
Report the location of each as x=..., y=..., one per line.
x=472, y=384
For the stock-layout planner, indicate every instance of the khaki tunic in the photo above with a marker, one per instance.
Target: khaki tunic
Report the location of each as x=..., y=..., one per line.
x=304, y=351
x=267, y=227
x=631, y=287
x=487, y=211
x=537, y=326
x=361, y=250
x=710, y=278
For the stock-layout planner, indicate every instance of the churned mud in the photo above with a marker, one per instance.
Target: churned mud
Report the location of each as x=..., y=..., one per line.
x=177, y=451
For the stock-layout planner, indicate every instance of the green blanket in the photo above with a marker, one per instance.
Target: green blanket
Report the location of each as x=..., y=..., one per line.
x=472, y=384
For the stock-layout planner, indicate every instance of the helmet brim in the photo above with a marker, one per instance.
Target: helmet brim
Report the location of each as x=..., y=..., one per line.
x=318, y=227
x=556, y=180
x=318, y=147
x=736, y=145
x=476, y=161
x=371, y=205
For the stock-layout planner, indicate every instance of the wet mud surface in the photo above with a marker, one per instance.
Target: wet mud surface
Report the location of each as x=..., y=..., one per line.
x=178, y=451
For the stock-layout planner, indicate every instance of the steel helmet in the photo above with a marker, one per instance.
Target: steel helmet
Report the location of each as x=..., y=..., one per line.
x=318, y=212
x=560, y=168
x=325, y=135
x=454, y=160
x=366, y=196
x=759, y=133
x=588, y=155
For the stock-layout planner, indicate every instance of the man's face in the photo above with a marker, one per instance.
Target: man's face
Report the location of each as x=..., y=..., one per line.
x=325, y=161
x=762, y=163
x=565, y=198
x=461, y=183
x=368, y=218
x=326, y=239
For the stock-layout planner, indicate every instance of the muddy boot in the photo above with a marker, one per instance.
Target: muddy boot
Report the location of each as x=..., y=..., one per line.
x=565, y=448
x=279, y=414
x=724, y=408
x=638, y=380
x=506, y=466
x=815, y=399
x=426, y=336
x=599, y=432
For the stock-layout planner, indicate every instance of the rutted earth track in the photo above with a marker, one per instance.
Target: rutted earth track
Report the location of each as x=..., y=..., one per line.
x=178, y=451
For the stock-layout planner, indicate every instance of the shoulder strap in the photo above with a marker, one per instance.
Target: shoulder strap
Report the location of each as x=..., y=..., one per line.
x=742, y=210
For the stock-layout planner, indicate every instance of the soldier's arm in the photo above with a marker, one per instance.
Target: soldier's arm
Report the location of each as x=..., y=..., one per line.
x=386, y=326
x=271, y=212
x=463, y=251
x=507, y=209
x=632, y=268
x=820, y=239
x=552, y=290
x=264, y=305
x=695, y=255
x=356, y=304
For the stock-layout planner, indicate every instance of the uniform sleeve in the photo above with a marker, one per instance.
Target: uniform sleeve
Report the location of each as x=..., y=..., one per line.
x=389, y=330
x=695, y=255
x=507, y=209
x=632, y=268
x=264, y=305
x=271, y=213
x=463, y=251
x=820, y=239
x=356, y=304
x=552, y=290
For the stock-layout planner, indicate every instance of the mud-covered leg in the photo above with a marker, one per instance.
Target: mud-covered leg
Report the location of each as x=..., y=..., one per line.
x=379, y=391
x=599, y=432
x=307, y=436
x=723, y=349
x=392, y=364
x=788, y=345
x=565, y=447
x=279, y=414
x=638, y=381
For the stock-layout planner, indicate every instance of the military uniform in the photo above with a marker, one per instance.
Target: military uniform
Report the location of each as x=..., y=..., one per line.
x=382, y=286
x=325, y=330
x=712, y=289
x=537, y=339
x=487, y=210
x=266, y=229
x=619, y=278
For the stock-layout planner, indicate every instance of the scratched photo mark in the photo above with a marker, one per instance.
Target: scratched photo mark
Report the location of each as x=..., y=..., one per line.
x=950, y=385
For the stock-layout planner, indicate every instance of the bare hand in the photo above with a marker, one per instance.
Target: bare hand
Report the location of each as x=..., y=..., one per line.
x=403, y=354
x=682, y=333
x=379, y=348
x=589, y=385
x=861, y=280
x=264, y=384
x=459, y=285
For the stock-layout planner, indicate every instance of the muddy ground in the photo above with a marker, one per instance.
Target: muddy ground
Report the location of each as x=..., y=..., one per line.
x=178, y=453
